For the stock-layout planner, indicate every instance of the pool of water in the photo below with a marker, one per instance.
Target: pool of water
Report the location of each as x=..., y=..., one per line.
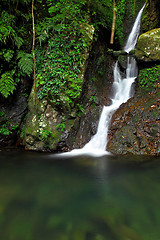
x=45, y=197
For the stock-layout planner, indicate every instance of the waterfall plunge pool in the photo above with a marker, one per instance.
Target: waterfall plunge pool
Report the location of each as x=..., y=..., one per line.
x=43, y=197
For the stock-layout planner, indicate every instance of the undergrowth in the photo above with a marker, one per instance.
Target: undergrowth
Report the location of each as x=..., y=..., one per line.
x=149, y=77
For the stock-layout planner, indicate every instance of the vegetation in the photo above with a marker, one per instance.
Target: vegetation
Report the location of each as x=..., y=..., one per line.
x=60, y=42
x=59, y=66
x=149, y=77
x=7, y=126
x=15, y=57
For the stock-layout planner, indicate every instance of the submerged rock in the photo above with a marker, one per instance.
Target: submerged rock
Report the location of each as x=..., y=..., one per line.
x=148, y=46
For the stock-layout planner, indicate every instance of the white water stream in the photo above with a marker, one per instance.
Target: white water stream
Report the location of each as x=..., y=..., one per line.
x=122, y=92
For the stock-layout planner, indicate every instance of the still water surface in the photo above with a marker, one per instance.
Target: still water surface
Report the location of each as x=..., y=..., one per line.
x=43, y=197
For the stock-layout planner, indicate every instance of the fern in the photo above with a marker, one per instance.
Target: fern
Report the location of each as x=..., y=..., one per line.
x=8, y=54
x=18, y=41
x=25, y=62
x=7, y=84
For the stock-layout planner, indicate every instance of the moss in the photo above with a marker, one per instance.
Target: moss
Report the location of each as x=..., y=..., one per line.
x=148, y=46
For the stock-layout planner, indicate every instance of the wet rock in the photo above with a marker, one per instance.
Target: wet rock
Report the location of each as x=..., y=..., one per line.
x=12, y=112
x=118, y=53
x=48, y=123
x=122, y=59
x=61, y=129
x=46, y=130
x=148, y=46
x=136, y=126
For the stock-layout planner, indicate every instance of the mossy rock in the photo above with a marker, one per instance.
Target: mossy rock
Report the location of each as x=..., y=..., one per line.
x=148, y=46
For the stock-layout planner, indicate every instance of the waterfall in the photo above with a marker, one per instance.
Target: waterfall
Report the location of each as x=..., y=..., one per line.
x=132, y=39
x=122, y=92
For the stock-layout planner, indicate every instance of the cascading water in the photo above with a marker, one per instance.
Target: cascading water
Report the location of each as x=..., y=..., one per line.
x=132, y=39
x=122, y=92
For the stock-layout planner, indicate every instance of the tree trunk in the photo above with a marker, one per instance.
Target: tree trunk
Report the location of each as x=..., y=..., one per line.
x=33, y=52
x=113, y=22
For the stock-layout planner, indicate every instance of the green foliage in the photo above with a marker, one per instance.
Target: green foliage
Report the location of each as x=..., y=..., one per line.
x=4, y=130
x=7, y=128
x=124, y=11
x=92, y=100
x=6, y=27
x=14, y=127
x=120, y=15
x=58, y=69
x=14, y=40
x=45, y=134
x=101, y=12
x=149, y=77
x=62, y=43
x=18, y=41
x=25, y=62
x=1, y=114
x=7, y=84
x=80, y=109
x=7, y=54
x=61, y=126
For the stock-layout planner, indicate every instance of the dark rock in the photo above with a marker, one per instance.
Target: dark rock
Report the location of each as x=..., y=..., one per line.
x=118, y=53
x=122, y=59
x=136, y=126
x=12, y=112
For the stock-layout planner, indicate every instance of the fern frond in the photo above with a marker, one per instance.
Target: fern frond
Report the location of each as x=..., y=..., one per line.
x=25, y=62
x=8, y=55
x=7, y=84
x=18, y=41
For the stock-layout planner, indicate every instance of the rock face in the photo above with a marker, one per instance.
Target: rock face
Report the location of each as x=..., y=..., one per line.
x=148, y=46
x=96, y=92
x=49, y=129
x=136, y=126
x=151, y=17
x=12, y=112
x=46, y=129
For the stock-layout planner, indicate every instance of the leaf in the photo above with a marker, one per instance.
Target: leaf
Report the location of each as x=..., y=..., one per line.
x=25, y=62
x=7, y=84
x=18, y=41
x=8, y=55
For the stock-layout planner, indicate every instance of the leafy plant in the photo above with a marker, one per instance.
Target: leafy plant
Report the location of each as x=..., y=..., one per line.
x=7, y=84
x=1, y=114
x=64, y=37
x=6, y=27
x=14, y=127
x=14, y=35
x=61, y=126
x=149, y=77
x=25, y=62
x=8, y=54
x=45, y=134
x=4, y=130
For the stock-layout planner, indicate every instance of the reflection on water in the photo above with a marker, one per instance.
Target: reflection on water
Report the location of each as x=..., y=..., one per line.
x=85, y=198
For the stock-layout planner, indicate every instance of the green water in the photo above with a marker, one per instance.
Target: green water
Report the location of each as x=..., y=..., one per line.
x=109, y=198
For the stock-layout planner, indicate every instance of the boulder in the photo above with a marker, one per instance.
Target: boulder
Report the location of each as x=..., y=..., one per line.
x=135, y=126
x=148, y=46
